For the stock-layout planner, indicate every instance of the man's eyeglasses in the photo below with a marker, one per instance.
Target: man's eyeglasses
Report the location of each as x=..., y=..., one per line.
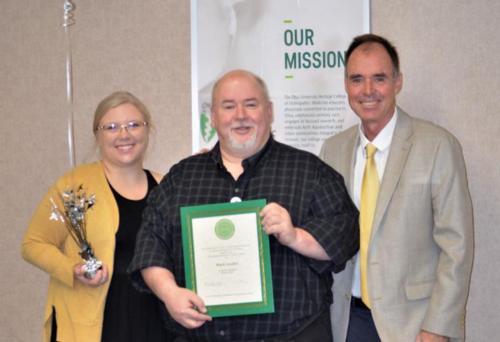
x=114, y=127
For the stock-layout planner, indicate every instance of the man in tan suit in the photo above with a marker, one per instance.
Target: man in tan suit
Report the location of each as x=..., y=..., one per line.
x=419, y=250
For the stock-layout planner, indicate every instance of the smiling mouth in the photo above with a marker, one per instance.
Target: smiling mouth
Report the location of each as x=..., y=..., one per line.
x=369, y=103
x=125, y=148
x=242, y=129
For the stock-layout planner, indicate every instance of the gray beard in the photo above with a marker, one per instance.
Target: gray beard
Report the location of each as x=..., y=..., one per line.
x=242, y=147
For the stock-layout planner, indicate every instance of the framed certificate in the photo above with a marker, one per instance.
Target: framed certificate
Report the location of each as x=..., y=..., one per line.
x=227, y=259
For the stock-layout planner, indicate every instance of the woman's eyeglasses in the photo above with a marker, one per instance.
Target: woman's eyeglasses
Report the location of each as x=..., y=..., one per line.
x=114, y=127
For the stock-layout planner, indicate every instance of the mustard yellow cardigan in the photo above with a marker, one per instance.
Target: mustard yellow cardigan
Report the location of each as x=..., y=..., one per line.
x=47, y=245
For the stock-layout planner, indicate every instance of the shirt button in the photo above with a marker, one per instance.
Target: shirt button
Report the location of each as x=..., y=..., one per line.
x=222, y=333
x=236, y=190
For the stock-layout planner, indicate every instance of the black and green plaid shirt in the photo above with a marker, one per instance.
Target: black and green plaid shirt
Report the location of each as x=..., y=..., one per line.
x=314, y=195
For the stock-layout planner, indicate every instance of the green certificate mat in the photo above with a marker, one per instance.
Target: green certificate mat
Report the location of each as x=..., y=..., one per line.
x=227, y=259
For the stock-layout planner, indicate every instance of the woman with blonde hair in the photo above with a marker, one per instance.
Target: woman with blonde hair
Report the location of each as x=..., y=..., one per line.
x=104, y=307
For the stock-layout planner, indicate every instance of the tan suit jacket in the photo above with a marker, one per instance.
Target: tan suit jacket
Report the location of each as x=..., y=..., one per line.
x=420, y=252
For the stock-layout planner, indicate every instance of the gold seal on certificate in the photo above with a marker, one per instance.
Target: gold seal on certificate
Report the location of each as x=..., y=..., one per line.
x=227, y=259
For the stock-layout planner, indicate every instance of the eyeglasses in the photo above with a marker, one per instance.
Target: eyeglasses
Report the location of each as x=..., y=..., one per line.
x=114, y=127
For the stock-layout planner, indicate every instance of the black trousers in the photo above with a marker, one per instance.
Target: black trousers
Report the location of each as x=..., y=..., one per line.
x=318, y=330
x=361, y=326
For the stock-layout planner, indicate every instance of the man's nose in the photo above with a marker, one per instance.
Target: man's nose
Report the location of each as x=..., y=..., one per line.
x=368, y=86
x=240, y=111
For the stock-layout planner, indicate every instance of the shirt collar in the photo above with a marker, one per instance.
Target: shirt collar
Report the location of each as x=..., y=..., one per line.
x=383, y=140
x=252, y=161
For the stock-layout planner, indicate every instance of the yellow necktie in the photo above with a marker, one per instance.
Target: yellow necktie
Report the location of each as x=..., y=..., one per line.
x=369, y=193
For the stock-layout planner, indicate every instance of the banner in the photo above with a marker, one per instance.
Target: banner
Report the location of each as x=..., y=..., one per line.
x=297, y=47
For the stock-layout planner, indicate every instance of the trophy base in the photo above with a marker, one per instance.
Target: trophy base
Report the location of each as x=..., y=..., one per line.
x=91, y=267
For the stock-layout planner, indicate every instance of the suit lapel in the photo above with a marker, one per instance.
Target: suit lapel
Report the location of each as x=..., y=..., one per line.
x=348, y=160
x=400, y=148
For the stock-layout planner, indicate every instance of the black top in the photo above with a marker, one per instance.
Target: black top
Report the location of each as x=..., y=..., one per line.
x=316, y=198
x=130, y=315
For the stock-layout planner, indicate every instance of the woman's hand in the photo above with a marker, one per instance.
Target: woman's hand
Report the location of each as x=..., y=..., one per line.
x=98, y=279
